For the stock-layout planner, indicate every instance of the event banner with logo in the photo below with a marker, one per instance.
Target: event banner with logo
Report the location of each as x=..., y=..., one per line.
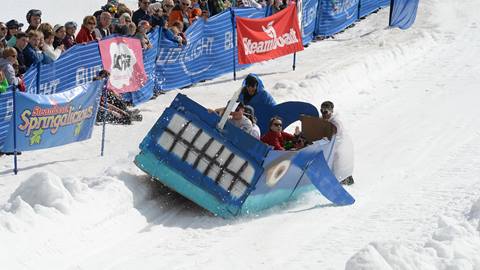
x=368, y=6
x=335, y=15
x=122, y=57
x=403, y=13
x=268, y=38
x=45, y=121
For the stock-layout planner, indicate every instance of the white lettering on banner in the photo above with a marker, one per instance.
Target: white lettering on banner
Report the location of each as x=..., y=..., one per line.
x=86, y=75
x=49, y=87
x=252, y=47
x=203, y=46
x=9, y=112
x=228, y=40
x=340, y=6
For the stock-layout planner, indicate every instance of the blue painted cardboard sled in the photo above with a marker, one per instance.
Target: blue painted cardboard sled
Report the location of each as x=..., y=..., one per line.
x=227, y=171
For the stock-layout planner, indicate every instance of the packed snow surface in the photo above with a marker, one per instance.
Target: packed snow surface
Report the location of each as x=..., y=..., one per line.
x=410, y=101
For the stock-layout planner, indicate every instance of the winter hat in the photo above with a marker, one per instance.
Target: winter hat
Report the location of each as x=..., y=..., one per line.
x=251, y=81
x=14, y=24
x=57, y=27
x=33, y=12
x=249, y=110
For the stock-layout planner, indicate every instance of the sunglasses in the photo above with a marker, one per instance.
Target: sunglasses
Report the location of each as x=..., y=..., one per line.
x=3, y=28
x=277, y=124
x=325, y=111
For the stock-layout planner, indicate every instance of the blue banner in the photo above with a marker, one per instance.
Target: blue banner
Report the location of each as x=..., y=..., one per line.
x=309, y=19
x=368, y=6
x=77, y=66
x=208, y=53
x=336, y=15
x=45, y=121
x=403, y=13
x=6, y=112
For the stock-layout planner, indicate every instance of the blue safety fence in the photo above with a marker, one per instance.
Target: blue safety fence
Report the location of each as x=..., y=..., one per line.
x=208, y=54
x=309, y=20
x=336, y=15
x=366, y=7
x=6, y=112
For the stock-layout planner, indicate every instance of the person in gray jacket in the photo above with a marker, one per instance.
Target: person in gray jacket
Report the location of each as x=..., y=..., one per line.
x=9, y=57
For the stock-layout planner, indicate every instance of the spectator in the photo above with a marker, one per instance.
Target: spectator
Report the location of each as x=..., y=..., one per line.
x=276, y=137
x=249, y=112
x=277, y=6
x=33, y=54
x=124, y=19
x=342, y=164
x=254, y=94
x=142, y=30
x=86, y=34
x=48, y=48
x=103, y=28
x=121, y=29
x=176, y=29
x=217, y=6
x=109, y=8
x=69, y=39
x=13, y=28
x=45, y=27
x=167, y=6
x=155, y=11
x=21, y=82
x=59, y=32
x=203, y=6
x=181, y=13
x=6, y=66
x=132, y=29
x=240, y=120
x=3, y=82
x=34, y=18
x=3, y=35
x=141, y=12
x=20, y=45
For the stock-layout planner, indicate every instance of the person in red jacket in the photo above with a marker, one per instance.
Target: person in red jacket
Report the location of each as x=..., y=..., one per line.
x=86, y=34
x=276, y=137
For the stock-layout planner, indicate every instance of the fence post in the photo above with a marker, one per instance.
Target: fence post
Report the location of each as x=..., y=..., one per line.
x=14, y=116
x=234, y=44
x=294, y=60
x=155, y=81
x=105, y=97
x=391, y=12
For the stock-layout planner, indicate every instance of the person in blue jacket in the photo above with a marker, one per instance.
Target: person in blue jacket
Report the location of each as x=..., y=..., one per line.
x=254, y=93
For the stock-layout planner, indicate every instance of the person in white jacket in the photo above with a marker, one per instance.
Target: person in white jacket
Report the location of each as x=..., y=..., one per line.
x=342, y=165
x=48, y=48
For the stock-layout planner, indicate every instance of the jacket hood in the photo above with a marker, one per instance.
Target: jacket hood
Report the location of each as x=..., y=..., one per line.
x=260, y=86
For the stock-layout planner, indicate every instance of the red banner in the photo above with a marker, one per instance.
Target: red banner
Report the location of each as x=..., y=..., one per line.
x=123, y=58
x=263, y=39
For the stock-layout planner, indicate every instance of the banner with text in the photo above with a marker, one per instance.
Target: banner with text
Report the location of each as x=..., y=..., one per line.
x=45, y=121
x=122, y=57
x=268, y=38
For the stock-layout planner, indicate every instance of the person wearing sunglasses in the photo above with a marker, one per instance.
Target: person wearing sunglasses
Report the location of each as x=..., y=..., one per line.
x=182, y=13
x=3, y=35
x=342, y=165
x=276, y=137
x=86, y=33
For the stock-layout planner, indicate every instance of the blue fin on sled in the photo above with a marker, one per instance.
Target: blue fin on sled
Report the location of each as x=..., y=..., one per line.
x=289, y=112
x=228, y=172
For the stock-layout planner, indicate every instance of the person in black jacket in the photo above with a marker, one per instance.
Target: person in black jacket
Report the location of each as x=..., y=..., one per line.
x=141, y=13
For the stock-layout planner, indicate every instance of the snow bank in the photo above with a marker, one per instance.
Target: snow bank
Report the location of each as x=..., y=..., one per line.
x=455, y=244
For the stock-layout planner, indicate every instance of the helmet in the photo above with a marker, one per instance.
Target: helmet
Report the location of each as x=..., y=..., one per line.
x=33, y=12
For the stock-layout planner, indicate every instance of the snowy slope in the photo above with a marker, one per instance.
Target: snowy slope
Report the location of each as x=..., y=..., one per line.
x=409, y=100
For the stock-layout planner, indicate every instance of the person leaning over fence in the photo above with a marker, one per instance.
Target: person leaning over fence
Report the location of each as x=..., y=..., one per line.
x=33, y=52
x=142, y=30
x=69, y=40
x=86, y=34
x=155, y=11
x=59, y=32
x=183, y=13
x=3, y=35
x=342, y=165
x=13, y=27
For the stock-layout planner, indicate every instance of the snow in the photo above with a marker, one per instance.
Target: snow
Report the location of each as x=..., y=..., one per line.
x=408, y=99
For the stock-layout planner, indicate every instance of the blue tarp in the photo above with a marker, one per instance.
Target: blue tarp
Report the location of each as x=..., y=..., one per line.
x=335, y=15
x=45, y=121
x=403, y=13
x=368, y=6
x=309, y=19
x=6, y=111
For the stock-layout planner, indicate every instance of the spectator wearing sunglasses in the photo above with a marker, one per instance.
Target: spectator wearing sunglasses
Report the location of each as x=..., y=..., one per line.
x=141, y=13
x=276, y=137
x=86, y=33
x=13, y=27
x=103, y=28
x=69, y=40
x=3, y=34
x=167, y=6
x=342, y=165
